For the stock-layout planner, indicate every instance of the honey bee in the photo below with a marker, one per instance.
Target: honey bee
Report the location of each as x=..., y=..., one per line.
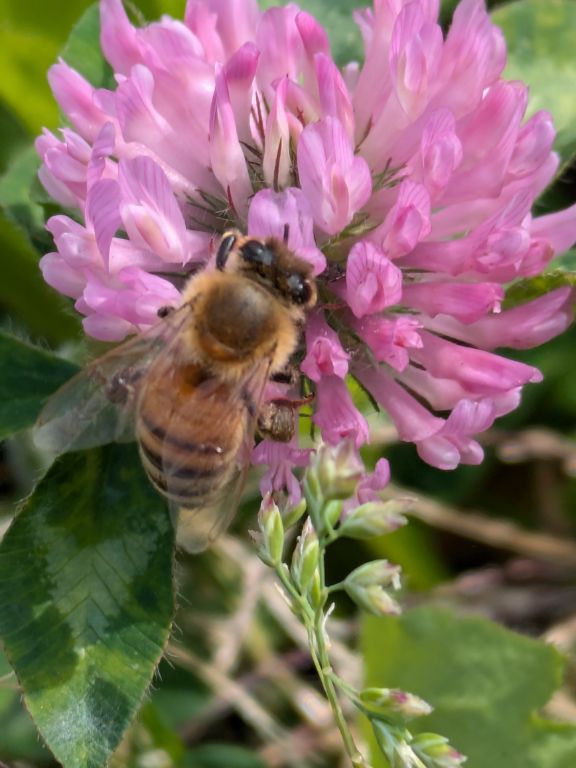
x=191, y=387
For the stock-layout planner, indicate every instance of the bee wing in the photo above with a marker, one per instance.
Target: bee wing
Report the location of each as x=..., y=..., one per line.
x=198, y=527
x=96, y=405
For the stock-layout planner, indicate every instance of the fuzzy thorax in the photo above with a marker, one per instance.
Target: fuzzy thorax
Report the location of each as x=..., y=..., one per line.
x=237, y=323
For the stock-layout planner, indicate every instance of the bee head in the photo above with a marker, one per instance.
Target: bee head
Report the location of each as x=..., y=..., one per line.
x=270, y=263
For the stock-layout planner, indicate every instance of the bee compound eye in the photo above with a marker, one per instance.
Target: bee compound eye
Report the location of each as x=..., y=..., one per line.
x=255, y=252
x=299, y=289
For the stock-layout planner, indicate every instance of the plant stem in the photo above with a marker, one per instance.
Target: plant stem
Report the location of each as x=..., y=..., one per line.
x=314, y=623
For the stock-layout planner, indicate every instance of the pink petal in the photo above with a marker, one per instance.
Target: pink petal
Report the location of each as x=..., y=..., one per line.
x=390, y=340
x=65, y=166
x=119, y=39
x=239, y=73
x=226, y=154
x=99, y=163
x=373, y=482
x=75, y=96
x=103, y=213
x=131, y=295
x=440, y=151
x=407, y=223
x=149, y=210
x=412, y=420
x=467, y=302
x=336, y=182
x=415, y=55
x=488, y=137
x=106, y=328
x=479, y=372
x=334, y=97
x=276, y=162
x=61, y=276
x=336, y=415
x=158, y=136
x=282, y=459
x=533, y=145
x=373, y=282
x=523, y=327
x=280, y=46
x=325, y=355
x=235, y=21
x=473, y=58
x=559, y=229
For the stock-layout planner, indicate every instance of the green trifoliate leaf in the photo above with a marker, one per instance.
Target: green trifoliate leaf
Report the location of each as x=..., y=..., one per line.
x=485, y=683
x=82, y=50
x=20, y=205
x=24, y=293
x=86, y=600
x=18, y=736
x=28, y=376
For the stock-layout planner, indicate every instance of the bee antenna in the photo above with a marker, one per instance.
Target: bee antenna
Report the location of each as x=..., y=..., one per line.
x=286, y=233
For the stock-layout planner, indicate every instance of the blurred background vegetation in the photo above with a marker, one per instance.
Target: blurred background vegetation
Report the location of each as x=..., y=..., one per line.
x=237, y=689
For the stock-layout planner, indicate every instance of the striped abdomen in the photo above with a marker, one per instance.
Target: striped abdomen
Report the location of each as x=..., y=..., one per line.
x=190, y=430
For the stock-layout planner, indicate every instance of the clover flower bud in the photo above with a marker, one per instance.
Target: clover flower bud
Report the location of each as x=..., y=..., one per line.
x=337, y=470
x=365, y=585
x=379, y=572
x=332, y=512
x=437, y=751
x=375, y=518
x=305, y=558
x=373, y=599
x=316, y=595
x=291, y=515
x=387, y=703
x=272, y=528
x=394, y=743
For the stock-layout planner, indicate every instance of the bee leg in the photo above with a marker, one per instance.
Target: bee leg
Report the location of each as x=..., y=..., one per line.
x=277, y=419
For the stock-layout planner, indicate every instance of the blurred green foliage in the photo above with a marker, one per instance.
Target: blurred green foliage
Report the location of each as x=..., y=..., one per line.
x=486, y=683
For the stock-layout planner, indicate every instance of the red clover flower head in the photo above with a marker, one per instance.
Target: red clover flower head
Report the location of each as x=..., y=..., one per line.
x=406, y=181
